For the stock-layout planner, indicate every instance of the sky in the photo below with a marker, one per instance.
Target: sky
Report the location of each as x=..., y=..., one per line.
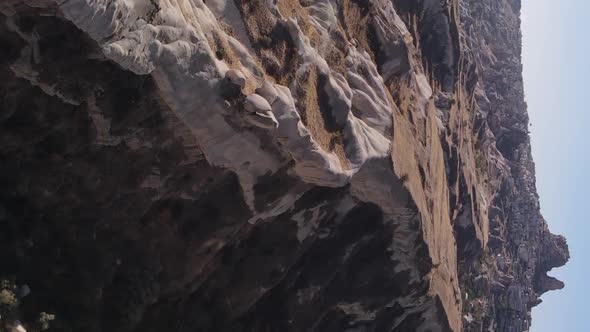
x=556, y=73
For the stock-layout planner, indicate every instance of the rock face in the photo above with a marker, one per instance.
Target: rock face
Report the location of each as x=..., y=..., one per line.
x=269, y=165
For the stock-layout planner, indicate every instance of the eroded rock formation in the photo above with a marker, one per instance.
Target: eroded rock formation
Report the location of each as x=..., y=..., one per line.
x=269, y=165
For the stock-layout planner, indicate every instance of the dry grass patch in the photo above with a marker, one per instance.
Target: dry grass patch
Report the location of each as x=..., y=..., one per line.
x=292, y=8
x=357, y=25
x=308, y=104
x=222, y=49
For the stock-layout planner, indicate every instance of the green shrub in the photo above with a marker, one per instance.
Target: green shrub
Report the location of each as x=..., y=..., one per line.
x=44, y=320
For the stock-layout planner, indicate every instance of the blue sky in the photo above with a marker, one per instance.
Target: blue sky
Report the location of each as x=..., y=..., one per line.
x=556, y=74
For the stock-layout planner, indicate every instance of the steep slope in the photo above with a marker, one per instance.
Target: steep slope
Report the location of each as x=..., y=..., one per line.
x=511, y=278
x=190, y=165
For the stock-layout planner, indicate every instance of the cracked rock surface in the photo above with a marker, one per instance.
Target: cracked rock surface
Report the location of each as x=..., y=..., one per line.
x=269, y=165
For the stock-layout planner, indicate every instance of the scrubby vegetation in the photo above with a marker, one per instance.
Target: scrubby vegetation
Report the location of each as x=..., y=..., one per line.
x=10, y=306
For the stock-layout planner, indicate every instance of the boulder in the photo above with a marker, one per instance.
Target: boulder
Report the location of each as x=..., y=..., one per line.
x=256, y=103
x=264, y=120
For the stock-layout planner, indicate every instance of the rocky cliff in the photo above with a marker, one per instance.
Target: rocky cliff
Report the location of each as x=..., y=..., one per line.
x=267, y=165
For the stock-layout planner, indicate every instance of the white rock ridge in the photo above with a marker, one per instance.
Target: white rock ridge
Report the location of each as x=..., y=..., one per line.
x=171, y=42
x=333, y=121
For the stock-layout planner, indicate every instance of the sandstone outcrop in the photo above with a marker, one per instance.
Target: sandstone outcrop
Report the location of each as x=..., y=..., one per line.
x=269, y=165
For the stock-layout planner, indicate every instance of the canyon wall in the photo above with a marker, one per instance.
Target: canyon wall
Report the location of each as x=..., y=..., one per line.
x=268, y=165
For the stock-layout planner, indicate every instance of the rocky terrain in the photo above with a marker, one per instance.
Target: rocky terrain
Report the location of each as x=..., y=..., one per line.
x=267, y=165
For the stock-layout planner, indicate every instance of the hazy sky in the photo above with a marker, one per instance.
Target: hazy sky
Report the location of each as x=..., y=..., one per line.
x=556, y=71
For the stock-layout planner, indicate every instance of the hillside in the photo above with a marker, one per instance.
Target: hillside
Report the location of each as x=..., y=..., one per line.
x=269, y=165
